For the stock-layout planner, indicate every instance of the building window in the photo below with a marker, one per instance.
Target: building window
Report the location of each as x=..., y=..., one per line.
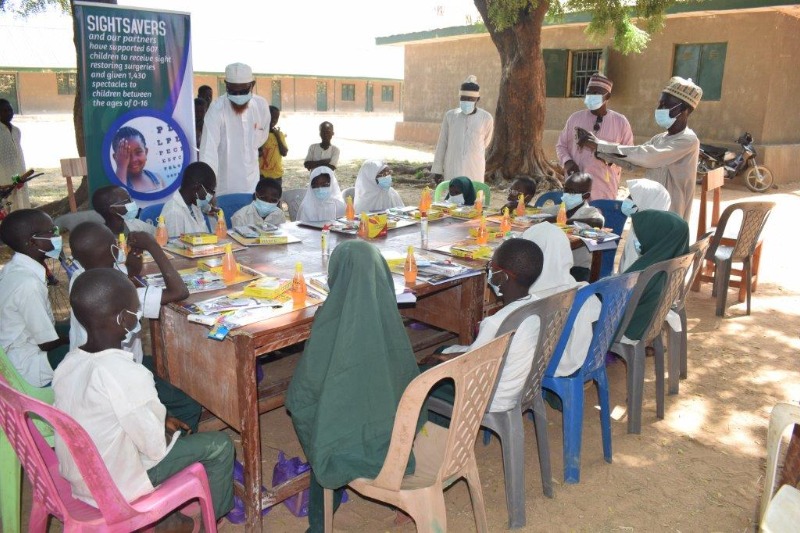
x=567, y=72
x=348, y=92
x=65, y=82
x=704, y=63
x=387, y=93
x=584, y=64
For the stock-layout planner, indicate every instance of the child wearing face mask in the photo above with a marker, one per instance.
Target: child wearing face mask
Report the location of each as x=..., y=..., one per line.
x=184, y=212
x=323, y=200
x=374, y=191
x=94, y=246
x=119, y=212
x=265, y=207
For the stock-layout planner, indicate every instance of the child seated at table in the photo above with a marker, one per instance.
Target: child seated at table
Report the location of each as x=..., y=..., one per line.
x=119, y=212
x=265, y=207
x=514, y=268
x=644, y=194
x=94, y=246
x=323, y=200
x=348, y=383
x=115, y=400
x=29, y=335
x=183, y=212
x=460, y=191
x=524, y=186
x=374, y=191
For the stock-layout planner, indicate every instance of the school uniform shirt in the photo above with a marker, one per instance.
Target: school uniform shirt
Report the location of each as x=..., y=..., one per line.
x=249, y=215
x=463, y=140
x=317, y=153
x=581, y=256
x=12, y=162
x=140, y=225
x=26, y=319
x=114, y=399
x=270, y=163
x=149, y=301
x=614, y=128
x=181, y=218
x=230, y=142
x=671, y=160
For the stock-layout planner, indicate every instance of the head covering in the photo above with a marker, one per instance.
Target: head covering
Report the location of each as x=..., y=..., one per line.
x=470, y=87
x=663, y=235
x=315, y=210
x=357, y=362
x=598, y=80
x=369, y=195
x=467, y=189
x=646, y=194
x=238, y=73
x=684, y=89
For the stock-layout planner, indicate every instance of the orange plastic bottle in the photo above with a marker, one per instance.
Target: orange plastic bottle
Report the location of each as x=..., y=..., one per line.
x=561, y=217
x=479, y=203
x=229, y=267
x=520, y=210
x=505, y=223
x=410, y=267
x=162, y=237
x=425, y=200
x=363, y=230
x=222, y=228
x=299, y=290
x=483, y=235
x=349, y=210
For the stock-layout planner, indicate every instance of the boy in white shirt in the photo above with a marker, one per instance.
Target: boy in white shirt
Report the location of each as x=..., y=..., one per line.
x=265, y=207
x=114, y=399
x=119, y=211
x=184, y=212
x=323, y=154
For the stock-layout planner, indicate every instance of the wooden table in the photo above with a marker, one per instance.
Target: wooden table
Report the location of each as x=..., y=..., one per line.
x=226, y=381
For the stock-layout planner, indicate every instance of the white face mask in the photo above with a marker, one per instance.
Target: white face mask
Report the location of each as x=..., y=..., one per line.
x=593, y=101
x=495, y=288
x=240, y=99
x=130, y=334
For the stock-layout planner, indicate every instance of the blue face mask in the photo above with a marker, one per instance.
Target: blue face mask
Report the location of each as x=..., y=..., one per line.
x=385, y=182
x=322, y=193
x=264, y=208
x=467, y=107
x=593, y=101
x=57, y=244
x=628, y=208
x=663, y=119
x=240, y=99
x=203, y=203
x=131, y=210
x=130, y=334
x=572, y=199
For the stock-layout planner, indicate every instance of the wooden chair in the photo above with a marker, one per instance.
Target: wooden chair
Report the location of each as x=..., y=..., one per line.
x=442, y=455
x=72, y=168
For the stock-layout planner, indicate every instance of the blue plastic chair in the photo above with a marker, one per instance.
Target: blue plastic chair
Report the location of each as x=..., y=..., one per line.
x=615, y=293
x=555, y=196
x=151, y=213
x=615, y=219
x=231, y=203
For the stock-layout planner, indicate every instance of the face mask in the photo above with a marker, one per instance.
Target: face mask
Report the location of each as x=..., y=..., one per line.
x=264, y=208
x=663, y=119
x=457, y=199
x=130, y=333
x=131, y=210
x=467, y=107
x=57, y=243
x=571, y=200
x=322, y=193
x=385, y=182
x=240, y=99
x=495, y=288
x=118, y=254
x=628, y=208
x=204, y=203
x=593, y=101
x=637, y=246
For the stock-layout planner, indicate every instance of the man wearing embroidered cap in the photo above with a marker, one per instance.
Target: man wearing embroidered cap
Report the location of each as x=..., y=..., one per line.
x=236, y=124
x=671, y=156
x=464, y=137
x=607, y=125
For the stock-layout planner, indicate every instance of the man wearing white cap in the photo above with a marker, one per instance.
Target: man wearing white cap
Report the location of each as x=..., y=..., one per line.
x=671, y=156
x=236, y=124
x=607, y=125
x=464, y=137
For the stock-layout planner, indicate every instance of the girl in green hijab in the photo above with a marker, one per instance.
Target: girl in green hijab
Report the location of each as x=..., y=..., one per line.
x=356, y=365
x=662, y=235
x=461, y=188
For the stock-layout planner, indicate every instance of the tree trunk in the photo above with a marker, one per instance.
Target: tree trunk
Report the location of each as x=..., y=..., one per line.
x=516, y=147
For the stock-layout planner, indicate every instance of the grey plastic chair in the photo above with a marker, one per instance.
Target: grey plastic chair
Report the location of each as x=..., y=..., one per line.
x=350, y=191
x=634, y=354
x=293, y=198
x=677, y=340
x=552, y=312
x=754, y=218
x=68, y=221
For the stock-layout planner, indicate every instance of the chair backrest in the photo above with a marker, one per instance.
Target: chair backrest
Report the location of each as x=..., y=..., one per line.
x=783, y=415
x=9, y=372
x=754, y=218
x=553, y=312
x=68, y=221
x=473, y=374
x=699, y=249
x=612, y=213
x=350, y=191
x=41, y=465
x=441, y=191
x=293, y=199
x=230, y=203
x=674, y=270
x=614, y=293
x=554, y=196
x=151, y=213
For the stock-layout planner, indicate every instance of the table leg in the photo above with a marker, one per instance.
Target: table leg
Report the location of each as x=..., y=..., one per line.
x=597, y=262
x=251, y=431
x=472, y=305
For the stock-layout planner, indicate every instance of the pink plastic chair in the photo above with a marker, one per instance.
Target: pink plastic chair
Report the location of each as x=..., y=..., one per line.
x=52, y=494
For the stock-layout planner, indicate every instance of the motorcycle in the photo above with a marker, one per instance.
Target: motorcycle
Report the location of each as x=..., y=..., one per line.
x=757, y=178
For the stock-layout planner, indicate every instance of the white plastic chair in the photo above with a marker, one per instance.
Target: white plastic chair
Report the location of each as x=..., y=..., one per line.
x=781, y=512
x=293, y=198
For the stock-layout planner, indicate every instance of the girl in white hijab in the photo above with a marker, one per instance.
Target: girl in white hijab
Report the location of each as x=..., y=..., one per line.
x=555, y=278
x=323, y=199
x=644, y=194
x=374, y=191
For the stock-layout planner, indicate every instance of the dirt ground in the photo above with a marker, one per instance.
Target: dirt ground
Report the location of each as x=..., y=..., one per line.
x=701, y=468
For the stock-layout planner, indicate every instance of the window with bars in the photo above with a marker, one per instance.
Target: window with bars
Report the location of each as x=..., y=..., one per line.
x=387, y=93
x=348, y=92
x=584, y=63
x=66, y=82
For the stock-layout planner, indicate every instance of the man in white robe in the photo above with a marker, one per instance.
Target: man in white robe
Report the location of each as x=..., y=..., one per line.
x=465, y=134
x=12, y=161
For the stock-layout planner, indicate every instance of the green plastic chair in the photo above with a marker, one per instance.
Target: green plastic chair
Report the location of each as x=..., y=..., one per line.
x=441, y=191
x=10, y=468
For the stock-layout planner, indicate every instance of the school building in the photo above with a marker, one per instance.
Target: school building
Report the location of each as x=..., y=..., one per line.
x=743, y=53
